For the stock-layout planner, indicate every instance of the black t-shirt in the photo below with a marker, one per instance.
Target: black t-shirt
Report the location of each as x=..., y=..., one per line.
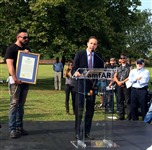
x=12, y=52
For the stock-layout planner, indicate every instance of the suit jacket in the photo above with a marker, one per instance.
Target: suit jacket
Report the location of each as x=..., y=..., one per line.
x=81, y=61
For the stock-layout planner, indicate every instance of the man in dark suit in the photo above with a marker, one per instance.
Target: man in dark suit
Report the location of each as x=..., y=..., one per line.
x=85, y=59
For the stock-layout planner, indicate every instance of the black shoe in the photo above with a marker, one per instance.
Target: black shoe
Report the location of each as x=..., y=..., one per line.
x=14, y=134
x=121, y=118
x=87, y=136
x=77, y=137
x=21, y=131
x=128, y=118
x=109, y=112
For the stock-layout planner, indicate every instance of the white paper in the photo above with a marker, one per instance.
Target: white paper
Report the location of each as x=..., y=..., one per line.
x=10, y=80
x=27, y=67
x=128, y=84
x=110, y=88
x=149, y=148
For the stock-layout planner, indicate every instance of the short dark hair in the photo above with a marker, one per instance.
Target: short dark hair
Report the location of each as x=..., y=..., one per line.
x=123, y=54
x=21, y=30
x=70, y=61
x=92, y=37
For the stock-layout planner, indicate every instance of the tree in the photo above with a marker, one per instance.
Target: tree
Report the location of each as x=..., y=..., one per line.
x=139, y=37
x=60, y=27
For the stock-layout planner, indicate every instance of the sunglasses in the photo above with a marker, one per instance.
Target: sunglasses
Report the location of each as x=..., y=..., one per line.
x=24, y=37
x=122, y=58
x=140, y=63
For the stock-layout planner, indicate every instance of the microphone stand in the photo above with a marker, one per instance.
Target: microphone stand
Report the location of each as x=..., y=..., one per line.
x=98, y=56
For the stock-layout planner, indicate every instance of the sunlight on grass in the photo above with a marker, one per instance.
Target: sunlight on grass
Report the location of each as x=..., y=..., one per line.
x=43, y=102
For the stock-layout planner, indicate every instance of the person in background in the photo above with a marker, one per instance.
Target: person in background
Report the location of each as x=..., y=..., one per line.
x=120, y=77
x=139, y=78
x=107, y=63
x=85, y=59
x=148, y=116
x=111, y=85
x=119, y=62
x=114, y=65
x=63, y=60
x=69, y=87
x=18, y=90
x=57, y=67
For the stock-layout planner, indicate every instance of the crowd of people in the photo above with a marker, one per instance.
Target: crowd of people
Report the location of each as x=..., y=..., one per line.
x=130, y=87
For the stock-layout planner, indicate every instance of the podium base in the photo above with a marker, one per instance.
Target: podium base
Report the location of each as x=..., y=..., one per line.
x=94, y=144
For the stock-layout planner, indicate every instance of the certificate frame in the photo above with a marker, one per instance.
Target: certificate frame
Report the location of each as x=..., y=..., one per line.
x=27, y=67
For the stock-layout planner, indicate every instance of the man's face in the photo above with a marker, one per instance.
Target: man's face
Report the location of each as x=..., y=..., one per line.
x=92, y=44
x=123, y=59
x=112, y=62
x=119, y=61
x=139, y=65
x=23, y=38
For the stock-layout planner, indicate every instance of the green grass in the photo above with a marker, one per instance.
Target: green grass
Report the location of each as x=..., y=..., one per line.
x=43, y=102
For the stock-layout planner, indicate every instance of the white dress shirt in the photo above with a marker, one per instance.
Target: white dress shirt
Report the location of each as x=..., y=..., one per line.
x=143, y=73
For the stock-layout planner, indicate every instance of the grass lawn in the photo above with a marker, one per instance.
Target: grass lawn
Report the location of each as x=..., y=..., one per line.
x=43, y=102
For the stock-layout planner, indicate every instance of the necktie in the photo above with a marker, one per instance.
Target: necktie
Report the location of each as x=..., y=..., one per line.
x=90, y=60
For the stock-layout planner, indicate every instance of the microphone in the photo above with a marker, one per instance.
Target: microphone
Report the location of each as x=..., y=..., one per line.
x=98, y=56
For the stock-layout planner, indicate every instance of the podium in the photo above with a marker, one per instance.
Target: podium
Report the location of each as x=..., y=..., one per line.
x=90, y=83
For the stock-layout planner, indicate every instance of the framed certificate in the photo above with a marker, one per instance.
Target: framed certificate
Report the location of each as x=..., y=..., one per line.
x=27, y=67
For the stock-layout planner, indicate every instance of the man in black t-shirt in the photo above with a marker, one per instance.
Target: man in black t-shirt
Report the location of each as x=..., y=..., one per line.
x=18, y=90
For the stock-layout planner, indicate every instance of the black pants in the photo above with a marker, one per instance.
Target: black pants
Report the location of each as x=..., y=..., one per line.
x=89, y=106
x=68, y=90
x=116, y=95
x=124, y=98
x=139, y=99
x=108, y=99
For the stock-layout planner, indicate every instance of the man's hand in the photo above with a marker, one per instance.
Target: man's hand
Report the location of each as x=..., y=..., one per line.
x=120, y=83
x=26, y=51
x=17, y=81
x=77, y=74
x=139, y=78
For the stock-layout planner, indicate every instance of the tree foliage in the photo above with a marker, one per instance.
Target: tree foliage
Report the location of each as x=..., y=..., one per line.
x=62, y=27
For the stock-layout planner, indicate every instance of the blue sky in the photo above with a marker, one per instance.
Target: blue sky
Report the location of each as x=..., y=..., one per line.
x=146, y=4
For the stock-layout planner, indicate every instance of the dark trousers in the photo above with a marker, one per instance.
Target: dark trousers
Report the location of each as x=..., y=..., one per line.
x=124, y=98
x=68, y=90
x=138, y=99
x=116, y=95
x=89, y=102
x=17, y=101
x=108, y=99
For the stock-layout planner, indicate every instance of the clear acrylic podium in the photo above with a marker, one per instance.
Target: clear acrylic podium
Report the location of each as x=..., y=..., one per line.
x=100, y=77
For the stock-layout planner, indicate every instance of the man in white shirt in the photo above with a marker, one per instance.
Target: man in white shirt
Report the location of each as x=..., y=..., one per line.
x=139, y=79
x=57, y=67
